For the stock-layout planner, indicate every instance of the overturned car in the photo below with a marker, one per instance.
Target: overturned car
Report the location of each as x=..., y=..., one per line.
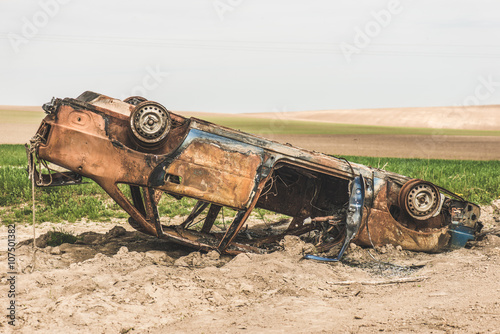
x=140, y=144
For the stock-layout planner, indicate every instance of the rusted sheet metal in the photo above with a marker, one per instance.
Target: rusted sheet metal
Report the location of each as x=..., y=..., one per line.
x=141, y=144
x=380, y=228
x=199, y=166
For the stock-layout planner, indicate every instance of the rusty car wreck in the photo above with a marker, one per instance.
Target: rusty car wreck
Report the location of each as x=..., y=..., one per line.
x=140, y=144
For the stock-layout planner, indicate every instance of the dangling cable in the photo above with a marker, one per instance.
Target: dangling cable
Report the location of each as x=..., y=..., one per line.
x=32, y=176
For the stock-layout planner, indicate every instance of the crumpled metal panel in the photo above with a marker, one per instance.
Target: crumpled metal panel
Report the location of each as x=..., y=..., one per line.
x=91, y=136
x=380, y=228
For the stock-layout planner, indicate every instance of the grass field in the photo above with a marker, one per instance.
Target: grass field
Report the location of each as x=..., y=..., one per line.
x=478, y=181
x=55, y=204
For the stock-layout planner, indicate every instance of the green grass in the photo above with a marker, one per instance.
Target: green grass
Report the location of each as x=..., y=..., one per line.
x=282, y=126
x=12, y=156
x=477, y=181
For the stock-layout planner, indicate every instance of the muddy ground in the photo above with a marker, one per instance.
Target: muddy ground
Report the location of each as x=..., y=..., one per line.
x=116, y=280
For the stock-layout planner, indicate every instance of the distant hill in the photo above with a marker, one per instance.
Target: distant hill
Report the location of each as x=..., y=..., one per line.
x=473, y=117
x=22, y=108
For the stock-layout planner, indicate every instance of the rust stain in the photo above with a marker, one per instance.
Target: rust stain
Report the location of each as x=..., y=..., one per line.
x=141, y=144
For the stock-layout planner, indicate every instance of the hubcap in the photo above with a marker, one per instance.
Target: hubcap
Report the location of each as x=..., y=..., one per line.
x=420, y=199
x=150, y=122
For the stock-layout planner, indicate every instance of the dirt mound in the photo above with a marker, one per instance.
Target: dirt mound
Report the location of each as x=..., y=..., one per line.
x=121, y=281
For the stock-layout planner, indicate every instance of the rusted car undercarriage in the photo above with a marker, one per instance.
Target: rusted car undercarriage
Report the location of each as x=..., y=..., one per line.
x=142, y=145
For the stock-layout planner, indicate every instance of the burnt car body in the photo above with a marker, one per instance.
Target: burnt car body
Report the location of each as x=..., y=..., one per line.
x=141, y=144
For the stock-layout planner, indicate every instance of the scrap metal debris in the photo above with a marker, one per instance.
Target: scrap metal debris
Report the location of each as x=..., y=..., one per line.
x=139, y=143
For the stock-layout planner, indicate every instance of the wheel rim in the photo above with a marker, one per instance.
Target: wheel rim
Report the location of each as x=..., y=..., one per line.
x=420, y=199
x=150, y=122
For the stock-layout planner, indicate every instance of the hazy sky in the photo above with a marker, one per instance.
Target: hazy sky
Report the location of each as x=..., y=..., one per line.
x=253, y=55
